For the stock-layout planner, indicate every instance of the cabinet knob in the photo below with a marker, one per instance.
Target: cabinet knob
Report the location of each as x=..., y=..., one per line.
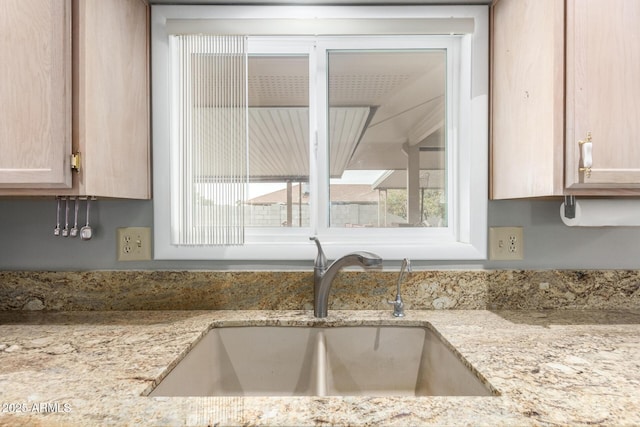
x=586, y=155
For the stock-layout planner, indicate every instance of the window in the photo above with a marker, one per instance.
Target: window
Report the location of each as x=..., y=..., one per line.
x=387, y=144
x=278, y=186
x=367, y=126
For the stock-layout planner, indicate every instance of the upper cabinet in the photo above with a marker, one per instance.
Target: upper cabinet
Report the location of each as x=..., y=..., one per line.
x=35, y=93
x=603, y=94
x=105, y=67
x=565, y=98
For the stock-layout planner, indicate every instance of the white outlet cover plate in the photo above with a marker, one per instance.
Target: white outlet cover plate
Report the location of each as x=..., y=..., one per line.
x=506, y=243
x=140, y=243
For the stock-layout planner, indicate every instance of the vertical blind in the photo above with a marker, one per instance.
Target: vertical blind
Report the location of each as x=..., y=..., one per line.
x=209, y=139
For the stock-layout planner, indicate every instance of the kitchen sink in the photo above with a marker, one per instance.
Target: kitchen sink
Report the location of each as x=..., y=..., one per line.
x=322, y=361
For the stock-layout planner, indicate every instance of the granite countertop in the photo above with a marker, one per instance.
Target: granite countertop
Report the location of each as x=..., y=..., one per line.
x=566, y=367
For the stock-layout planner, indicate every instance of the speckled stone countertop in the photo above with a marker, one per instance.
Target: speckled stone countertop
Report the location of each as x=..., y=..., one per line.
x=566, y=367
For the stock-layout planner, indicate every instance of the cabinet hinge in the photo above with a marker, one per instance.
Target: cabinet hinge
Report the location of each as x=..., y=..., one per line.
x=75, y=162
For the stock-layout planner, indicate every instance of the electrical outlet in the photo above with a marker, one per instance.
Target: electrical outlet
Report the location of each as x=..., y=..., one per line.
x=134, y=243
x=506, y=243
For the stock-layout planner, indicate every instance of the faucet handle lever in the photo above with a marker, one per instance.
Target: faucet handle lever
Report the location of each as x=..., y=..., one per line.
x=398, y=306
x=321, y=259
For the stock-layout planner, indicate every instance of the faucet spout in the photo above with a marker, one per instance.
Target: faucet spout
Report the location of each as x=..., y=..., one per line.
x=398, y=304
x=323, y=276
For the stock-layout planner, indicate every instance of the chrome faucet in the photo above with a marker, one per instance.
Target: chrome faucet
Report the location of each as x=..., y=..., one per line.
x=323, y=276
x=398, y=305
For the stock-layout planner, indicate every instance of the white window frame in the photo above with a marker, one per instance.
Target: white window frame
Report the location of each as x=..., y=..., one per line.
x=467, y=120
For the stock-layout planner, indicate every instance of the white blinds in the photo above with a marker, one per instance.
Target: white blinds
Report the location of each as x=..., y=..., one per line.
x=208, y=139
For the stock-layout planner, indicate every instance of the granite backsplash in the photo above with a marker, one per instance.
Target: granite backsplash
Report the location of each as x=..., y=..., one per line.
x=352, y=290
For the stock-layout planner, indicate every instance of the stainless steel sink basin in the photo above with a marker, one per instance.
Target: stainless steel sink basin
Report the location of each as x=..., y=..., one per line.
x=331, y=361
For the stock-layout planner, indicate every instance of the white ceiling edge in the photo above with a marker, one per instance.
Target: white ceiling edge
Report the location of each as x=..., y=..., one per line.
x=322, y=2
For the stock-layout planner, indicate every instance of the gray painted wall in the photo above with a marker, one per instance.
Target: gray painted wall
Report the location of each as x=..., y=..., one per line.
x=27, y=241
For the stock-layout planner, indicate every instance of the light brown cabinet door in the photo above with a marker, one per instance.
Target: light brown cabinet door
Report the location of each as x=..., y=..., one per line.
x=603, y=95
x=35, y=93
x=527, y=102
x=108, y=119
x=112, y=115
